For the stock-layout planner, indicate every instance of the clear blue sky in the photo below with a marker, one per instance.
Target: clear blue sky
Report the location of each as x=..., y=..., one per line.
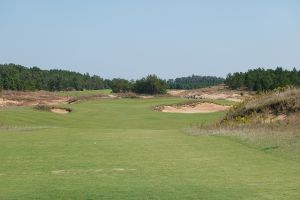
x=171, y=38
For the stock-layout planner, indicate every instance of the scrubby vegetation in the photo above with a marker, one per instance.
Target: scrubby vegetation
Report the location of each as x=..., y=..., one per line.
x=194, y=82
x=261, y=79
x=277, y=102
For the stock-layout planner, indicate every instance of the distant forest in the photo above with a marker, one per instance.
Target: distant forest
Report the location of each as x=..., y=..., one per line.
x=263, y=79
x=17, y=77
x=194, y=82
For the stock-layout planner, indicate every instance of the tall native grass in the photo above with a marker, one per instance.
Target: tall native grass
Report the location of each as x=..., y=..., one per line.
x=271, y=121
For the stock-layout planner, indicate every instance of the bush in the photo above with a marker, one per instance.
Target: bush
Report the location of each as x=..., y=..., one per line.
x=119, y=85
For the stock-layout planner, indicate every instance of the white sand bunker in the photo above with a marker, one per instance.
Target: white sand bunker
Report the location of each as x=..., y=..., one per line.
x=198, y=108
x=60, y=110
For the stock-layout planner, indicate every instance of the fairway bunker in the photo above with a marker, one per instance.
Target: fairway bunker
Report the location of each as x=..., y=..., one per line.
x=60, y=110
x=195, y=108
x=53, y=109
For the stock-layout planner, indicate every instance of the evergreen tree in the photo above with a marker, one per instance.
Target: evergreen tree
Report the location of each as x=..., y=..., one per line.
x=260, y=79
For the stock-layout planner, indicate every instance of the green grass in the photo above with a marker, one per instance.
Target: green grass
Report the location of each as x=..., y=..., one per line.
x=122, y=149
x=83, y=93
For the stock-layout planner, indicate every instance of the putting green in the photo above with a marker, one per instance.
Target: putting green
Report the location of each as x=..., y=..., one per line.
x=122, y=149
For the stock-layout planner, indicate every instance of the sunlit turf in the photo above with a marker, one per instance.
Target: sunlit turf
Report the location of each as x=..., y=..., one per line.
x=122, y=149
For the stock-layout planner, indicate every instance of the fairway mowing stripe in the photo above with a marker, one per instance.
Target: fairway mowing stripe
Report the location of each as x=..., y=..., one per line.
x=80, y=171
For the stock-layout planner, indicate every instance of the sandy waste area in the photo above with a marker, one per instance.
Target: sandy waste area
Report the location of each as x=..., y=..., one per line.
x=199, y=108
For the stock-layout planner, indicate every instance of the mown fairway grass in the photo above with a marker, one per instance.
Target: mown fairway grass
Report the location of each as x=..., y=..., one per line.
x=121, y=149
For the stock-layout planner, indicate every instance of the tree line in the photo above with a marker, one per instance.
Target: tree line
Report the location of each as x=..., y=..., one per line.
x=17, y=77
x=148, y=85
x=261, y=79
x=154, y=85
x=194, y=82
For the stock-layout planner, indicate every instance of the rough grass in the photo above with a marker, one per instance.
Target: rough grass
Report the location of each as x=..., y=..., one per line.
x=281, y=137
x=269, y=121
x=122, y=149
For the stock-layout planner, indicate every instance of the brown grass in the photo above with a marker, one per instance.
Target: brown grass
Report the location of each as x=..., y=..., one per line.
x=28, y=98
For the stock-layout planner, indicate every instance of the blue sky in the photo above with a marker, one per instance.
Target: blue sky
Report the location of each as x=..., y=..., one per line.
x=171, y=38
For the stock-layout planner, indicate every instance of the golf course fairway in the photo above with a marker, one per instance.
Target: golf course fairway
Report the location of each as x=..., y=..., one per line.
x=123, y=149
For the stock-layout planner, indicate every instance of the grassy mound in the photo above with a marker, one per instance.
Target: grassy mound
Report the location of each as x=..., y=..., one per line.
x=265, y=106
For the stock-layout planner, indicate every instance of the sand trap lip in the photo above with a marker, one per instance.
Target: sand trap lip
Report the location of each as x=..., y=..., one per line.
x=60, y=110
x=198, y=108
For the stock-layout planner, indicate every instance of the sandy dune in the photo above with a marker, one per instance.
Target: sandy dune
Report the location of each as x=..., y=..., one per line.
x=213, y=92
x=199, y=108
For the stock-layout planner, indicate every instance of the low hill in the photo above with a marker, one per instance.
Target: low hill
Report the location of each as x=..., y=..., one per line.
x=266, y=105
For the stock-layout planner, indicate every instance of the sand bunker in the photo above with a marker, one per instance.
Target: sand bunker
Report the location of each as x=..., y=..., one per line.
x=198, y=108
x=60, y=110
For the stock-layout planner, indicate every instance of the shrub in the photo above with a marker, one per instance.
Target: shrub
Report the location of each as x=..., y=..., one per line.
x=119, y=85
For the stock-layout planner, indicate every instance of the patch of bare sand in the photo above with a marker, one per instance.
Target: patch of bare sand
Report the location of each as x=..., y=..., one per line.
x=60, y=110
x=6, y=102
x=176, y=92
x=275, y=118
x=198, y=108
x=146, y=97
x=213, y=92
